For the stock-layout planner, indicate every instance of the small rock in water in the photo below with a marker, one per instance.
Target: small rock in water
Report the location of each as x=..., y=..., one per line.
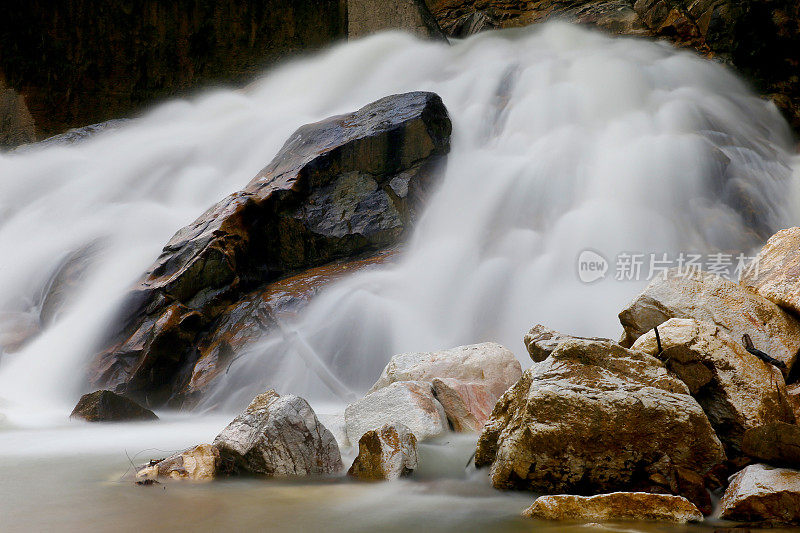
x=200, y=463
x=761, y=493
x=107, y=406
x=775, y=443
x=386, y=453
x=407, y=402
x=614, y=506
x=279, y=436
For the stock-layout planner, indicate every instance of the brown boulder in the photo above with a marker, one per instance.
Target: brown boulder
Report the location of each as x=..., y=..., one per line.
x=709, y=298
x=737, y=390
x=615, y=506
x=775, y=272
x=201, y=463
x=540, y=341
x=776, y=443
x=385, y=454
x=763, y=494
x=345, y=186
x=595, y=417
x=107, y=406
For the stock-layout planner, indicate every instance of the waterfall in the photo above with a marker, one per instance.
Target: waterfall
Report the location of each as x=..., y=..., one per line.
x=565, y=140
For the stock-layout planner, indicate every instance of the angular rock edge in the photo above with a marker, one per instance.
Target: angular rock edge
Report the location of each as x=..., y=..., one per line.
x=384, y=154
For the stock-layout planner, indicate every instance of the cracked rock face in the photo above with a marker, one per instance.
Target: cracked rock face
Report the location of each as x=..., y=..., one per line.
x=595, y=417
x=737, y=390
x=279, y=436
x=709, y=298
x=385, y=454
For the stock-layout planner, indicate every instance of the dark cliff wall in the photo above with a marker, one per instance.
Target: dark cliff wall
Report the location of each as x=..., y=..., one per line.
x=760, y=38
x=77, y=62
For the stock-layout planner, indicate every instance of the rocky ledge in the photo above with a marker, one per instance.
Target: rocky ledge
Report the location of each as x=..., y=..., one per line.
x=344, y=187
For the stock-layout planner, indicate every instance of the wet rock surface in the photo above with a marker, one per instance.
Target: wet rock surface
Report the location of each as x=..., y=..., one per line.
x=595, y=417
x=775, y=274
x=258, y=313
x=200, y=463
x=709, y=298
x=385, y=454
x=108, y=406
x=345, y=186
x=737, y=390
x=763, y=494
x=279, y=436
x=615, y=506
x=776, y=443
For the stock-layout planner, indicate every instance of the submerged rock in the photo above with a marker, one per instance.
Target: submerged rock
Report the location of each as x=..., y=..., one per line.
x=761, y=493
x=614, y=506
x=410, y=403
x=595, y=417
x=488, y=363
x=737, y=390
x=776, y=443
x=201, y=463
x=345, y=186
x=107, y=406
x=386, y=453
x=709, y=298
x=775, y=271
x=540, y=341
x=279, y=436
x=466, y=405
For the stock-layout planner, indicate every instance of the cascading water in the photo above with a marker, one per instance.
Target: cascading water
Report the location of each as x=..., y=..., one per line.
x=564, y=140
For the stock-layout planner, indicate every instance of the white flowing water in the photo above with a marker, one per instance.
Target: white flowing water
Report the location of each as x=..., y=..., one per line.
x=563, y=140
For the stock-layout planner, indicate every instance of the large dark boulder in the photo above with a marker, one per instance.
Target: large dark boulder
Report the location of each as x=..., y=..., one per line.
x=345, y=186
x=107, y=406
